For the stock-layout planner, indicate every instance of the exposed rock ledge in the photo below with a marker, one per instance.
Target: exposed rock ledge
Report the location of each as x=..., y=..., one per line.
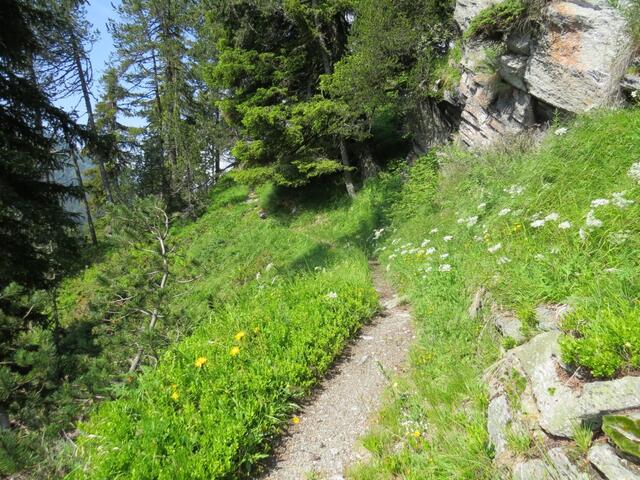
x=575, y=62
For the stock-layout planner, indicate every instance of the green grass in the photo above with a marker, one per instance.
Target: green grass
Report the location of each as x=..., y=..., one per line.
x=496, y=19
x=296, y=284
x=510, y=190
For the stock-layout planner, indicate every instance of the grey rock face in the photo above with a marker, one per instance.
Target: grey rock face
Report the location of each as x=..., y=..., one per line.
x=532, y=470
x=512, y=68
x=580, y=57
x=562, y=467
x=630, y=83
x=467, y=9
x=561, y=407
x=498, y=419
x=509, y=325
x=519, y=43
x=604, y=458
x=550, y=316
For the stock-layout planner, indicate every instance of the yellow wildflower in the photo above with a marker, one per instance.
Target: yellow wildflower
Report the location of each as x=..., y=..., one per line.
x=256, y=330
x=200, y=361
x=240, y=335
x=235, y=351
x=417, y=434
x=295, y=420
x=175, y=395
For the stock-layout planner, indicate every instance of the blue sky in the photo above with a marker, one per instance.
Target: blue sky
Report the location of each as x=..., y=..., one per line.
x=98, y=13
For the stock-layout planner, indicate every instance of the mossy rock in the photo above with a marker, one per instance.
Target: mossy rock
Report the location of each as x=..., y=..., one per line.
x=624, y=432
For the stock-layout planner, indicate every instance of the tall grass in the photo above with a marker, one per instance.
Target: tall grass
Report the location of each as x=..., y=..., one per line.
x=515, y=220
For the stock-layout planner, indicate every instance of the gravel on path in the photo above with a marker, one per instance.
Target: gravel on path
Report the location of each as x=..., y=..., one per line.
x=325, y=441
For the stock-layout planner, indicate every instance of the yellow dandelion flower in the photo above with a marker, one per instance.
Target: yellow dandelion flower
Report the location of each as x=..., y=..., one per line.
x=175, y=395
x=200, y=361
x=235, y=351
x=240, y=335
x=295, y=420
x=417, y=434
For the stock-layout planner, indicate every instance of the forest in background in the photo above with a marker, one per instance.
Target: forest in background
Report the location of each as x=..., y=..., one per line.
x=301, y=95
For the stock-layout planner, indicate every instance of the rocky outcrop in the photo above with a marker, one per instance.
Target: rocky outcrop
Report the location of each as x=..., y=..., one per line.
x=532, y=394
x=574, y=62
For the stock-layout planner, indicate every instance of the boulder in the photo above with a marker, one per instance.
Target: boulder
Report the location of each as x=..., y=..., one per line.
x=580, y=57
x=603, y=457
x=534, y=469
x=508, y=324
x=562, y=407
x=549, y=317
x=512, y=68
x=498, y=420
x=562, y=468
x=630, y=83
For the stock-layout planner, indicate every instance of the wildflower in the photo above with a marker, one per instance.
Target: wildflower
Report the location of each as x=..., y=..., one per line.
x=200, y=361
x=599, y=202
x=619, y=200
x=538, y=256
x=258, y=276
x=448, y=238
x=552, y=217
x=430, y=251
x=482, y=206
x=514, y=190
x=175, y=395
x=471, y=221
x=494, y=248
x=503, y=260
x=268, y=267
x=240, y=335
x=378, y=233
x=394, y=241
x=554, y=250
x=433, y=230
x=582, y=234
x=444, y=255
x=295, y=420
x=416, y=434
x=444, y=267
x=537, y=223
x=517, y=227
x=477, y=238
x=618, y=238
x=504, y=211
x=561, y=131
x=425, y=242
x=235, y=351
x=392, y=256
x=332, y=295
x=634, y=172
x=460, y=221
x=634, y=94
x=592, y=221
x=564, y=225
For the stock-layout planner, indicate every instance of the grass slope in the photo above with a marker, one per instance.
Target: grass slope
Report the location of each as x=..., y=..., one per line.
x=275, y=302
x=556, y=223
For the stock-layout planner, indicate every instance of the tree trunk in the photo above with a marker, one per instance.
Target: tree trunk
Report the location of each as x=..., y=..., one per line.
x=90, y=120
x=348, y=179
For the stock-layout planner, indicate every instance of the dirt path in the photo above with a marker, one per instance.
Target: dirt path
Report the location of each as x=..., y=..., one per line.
x=326, y=439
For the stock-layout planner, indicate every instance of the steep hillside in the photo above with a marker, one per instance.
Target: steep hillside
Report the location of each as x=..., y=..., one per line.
x=528, y=225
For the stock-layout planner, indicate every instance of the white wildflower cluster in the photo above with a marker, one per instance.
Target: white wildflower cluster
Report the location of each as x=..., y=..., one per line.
x=552, y=217
x=617, y=198
x=538, y=223
x=600, y=202
x=634, y=172
x=539, y=257
x=425, y=242
x=445, y=267
x=514, y=190
x=503, y=260
x=378, y=233
x=471, y=221
x=561, y=131
x=591, y=220
x=332, y=295
x=618, y=238
x=447, y=238
x=564, y=225
x=504, y=211
x=482, y=206
x=433, y=230
x=444, y=255
x=494, y=248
